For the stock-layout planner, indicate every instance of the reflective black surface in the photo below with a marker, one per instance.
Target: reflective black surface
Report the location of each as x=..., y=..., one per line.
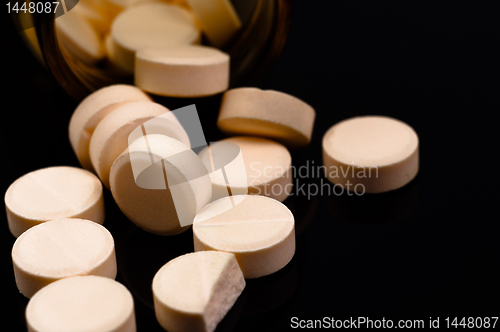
x=429, y=249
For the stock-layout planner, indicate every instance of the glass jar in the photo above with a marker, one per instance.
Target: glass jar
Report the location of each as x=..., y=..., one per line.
x=253, y=50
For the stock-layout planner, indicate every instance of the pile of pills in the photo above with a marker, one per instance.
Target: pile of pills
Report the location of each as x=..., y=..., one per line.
x=157, y=41
x=64, y=259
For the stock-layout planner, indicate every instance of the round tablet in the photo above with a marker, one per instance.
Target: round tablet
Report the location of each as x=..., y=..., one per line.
x=193, y=292
x=258, y=230
x=267, y=164
x=151, y=25
x=271, y=114
x=182, y=71
x=78, y=36
x=82, y=304
x=371, y=154
x=219, y=20
x=110, y=137
x=53, y=193
x=160, y=184
x=62, y=248
x=92, y=110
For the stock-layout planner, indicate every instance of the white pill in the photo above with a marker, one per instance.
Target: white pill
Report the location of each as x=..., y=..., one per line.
x=78, y=36
x=195, y=291
x=182, y=71
x=218, y=18
x=62, y=248
x=271, y=114
x=267, y=168
x=258, y=230
x=110, y=137
x=53, y=193
x=82, y=304
x=371, y=154
x=160, y=184
x=150, y=25
x=92, y=110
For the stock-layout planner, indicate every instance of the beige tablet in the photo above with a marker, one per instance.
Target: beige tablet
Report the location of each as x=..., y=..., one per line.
x=160, y=184
x=150, y=25
x=195, y=291
x=62, y=248
x=83, y=303
x=371, y=154
x=92, y=110
x=267, y=168
x=95, y=15
x=53, y=193
x=110, y=137
x=258, y=230
x=271, y=114
x=218, y=18
x=182, y=71
x=77, y=35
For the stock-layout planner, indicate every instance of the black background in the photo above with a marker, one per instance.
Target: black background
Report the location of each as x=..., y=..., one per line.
x=427, y=250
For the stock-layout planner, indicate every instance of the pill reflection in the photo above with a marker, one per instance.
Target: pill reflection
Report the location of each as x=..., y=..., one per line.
x=303, y=210
x=142, y=254
x=269, y=292
x=374, y=209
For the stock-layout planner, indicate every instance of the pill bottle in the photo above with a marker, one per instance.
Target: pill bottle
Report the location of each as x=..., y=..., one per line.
x=257, y=45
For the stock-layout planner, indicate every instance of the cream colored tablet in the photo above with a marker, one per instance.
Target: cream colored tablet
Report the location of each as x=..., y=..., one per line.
x=271, y=114
x=78, y=36
x=83, y=303
x=267, y=164
x=195, y=291
x=218, y=18
x=110, y=137
x=258, y=230
x=151, y=25
x=94, y=15
x=92, y=110
x=114, y=7
x=53, y=193
x=160, y=184
x=62, y=248
x=371, y=154
x=183, y=71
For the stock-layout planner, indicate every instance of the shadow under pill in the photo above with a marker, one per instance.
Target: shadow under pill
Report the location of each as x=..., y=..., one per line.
x=229, y=321
x=269, y=292
x=375, y=209
x=142, y=254
x=303, y=210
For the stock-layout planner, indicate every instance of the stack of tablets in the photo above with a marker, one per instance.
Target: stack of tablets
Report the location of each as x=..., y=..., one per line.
x=157, y=41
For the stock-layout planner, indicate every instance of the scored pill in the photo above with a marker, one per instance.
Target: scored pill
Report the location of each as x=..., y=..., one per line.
x=259, y=230
x=53, y=193
x=62, y=248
